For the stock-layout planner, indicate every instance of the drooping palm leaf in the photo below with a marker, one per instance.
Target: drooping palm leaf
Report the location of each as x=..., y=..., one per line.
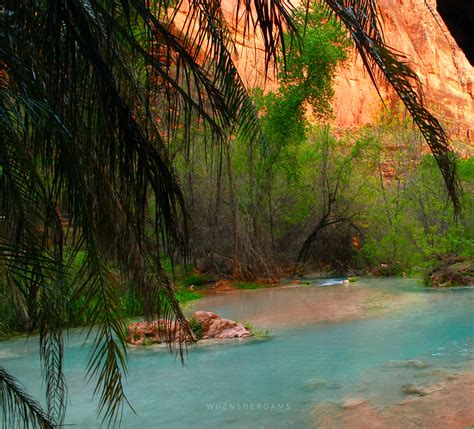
x=19, y=409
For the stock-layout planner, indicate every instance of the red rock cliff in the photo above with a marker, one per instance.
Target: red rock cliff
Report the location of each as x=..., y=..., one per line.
x=414, y=28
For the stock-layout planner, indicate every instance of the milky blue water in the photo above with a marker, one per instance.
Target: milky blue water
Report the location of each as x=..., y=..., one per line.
x=275, y=382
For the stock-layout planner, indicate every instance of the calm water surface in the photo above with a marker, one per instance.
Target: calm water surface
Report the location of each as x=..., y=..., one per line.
x=275, y=382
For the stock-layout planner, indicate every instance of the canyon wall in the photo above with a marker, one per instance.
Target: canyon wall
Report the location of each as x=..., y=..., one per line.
x=414, y=28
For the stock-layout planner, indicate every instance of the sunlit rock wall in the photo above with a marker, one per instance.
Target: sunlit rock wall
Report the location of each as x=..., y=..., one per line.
x=414, y=28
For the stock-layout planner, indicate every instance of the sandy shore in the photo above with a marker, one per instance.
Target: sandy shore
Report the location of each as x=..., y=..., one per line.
x=449, y=404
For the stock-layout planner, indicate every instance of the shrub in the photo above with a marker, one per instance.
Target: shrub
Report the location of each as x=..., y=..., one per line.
x=196, y=279
x=196, y=327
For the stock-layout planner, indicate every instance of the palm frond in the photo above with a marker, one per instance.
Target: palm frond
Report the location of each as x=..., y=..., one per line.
x=18, y=408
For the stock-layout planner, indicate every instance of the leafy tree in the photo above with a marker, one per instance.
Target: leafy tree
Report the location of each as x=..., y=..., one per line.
x=91, y=93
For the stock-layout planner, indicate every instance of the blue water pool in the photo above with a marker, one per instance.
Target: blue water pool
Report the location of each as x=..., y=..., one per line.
x=275, y=382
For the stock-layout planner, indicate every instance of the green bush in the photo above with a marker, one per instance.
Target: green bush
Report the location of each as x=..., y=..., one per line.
x=196, y=327
x=195, y=279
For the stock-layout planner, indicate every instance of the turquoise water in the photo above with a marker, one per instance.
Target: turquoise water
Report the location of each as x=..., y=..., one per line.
x=276, y=382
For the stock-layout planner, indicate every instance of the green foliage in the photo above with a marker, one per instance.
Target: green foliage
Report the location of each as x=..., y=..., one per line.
x=185, y=296
x=195, y=279
x=305, y=84
x=10, y=322
x=196, y=327
x=258, y=333
x=410, y=221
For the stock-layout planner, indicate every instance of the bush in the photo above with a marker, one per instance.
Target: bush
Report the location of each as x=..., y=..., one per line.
x=195, y=279
x=196, y=327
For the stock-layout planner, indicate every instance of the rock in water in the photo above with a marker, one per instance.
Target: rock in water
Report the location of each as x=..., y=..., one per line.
x=411, y=363
x=158, y=331
x=161, y=331
x=214, y=326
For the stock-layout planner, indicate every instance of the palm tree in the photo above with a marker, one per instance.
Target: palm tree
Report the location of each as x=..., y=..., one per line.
x=91, y=92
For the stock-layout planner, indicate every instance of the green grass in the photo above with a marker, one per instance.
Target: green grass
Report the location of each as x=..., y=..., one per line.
x=258, y=333
x=185, y=296
x=196, y=327
x=248, y=285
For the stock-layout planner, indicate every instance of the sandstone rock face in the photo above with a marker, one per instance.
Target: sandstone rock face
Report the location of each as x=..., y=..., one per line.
x=416, y=29
x=214, y=326
x=412, y=27
x=159, y=331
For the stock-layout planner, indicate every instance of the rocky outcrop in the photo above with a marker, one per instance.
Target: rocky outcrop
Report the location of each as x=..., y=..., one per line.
x=414, y=28
x=204, y=325
x=452, y=271
x=156, y=332
x=214, y=326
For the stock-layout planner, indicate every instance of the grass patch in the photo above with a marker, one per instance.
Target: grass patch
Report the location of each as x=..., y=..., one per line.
x=196, y=327
x=248, y=285
x=185, y=296
x=258, y=333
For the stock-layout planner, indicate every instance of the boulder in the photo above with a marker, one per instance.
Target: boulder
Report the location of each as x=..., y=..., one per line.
x=214, y=326
x=452, y=271
x=165, y=331
x=158, y=331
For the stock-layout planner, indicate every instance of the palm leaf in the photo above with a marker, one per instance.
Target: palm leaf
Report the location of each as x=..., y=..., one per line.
x=19, y=409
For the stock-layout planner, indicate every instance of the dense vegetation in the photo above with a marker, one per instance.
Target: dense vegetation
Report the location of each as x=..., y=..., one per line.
x=367, y=202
